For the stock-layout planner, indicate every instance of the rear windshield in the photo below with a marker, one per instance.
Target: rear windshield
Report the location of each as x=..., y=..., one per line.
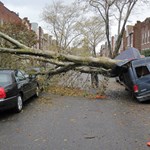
x=142, y=71
x=5, y=79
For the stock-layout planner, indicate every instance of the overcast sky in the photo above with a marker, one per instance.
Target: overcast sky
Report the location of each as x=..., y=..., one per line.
x=29, y=8
x=33, y=9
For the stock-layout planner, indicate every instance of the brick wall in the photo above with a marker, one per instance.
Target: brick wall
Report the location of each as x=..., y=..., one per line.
x=137, y=35
x=145, y=34
x=142, y=35
x=8, y=16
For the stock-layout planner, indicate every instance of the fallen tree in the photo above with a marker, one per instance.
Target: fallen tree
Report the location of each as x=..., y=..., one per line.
x=62, y=62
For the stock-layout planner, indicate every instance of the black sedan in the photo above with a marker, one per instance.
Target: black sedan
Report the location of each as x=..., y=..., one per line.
x=16, y=87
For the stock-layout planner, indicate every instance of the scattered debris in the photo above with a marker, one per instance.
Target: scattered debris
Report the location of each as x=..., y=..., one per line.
x=100, y=97
x=90, y=137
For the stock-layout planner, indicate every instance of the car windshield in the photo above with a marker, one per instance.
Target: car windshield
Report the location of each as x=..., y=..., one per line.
x=5, y=79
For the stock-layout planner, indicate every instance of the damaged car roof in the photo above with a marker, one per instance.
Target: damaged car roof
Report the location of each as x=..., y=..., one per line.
x=126, y=56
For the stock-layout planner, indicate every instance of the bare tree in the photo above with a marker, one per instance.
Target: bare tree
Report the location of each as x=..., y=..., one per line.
x=62, y=20
x=104, y=7
x=124, y=10
x=92, y=31
x=111, y=10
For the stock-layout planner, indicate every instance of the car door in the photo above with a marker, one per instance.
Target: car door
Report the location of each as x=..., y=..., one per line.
x=23, y=84
x=32, y=82
x=143, y=78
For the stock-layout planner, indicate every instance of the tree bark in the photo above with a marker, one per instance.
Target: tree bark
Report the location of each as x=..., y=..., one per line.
x=13, y=41
x=94, y=75
x=102, y=62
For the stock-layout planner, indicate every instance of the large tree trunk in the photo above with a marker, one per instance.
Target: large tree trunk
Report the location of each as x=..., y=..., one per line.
x=94, y=80
x=94, y=75
x=64, y=62
x=108, y=38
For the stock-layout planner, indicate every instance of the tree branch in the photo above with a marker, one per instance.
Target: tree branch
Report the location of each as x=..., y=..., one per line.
x=103, y=62
x=13, y=41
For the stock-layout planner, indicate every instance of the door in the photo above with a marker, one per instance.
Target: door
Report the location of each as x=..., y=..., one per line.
x=23, y=84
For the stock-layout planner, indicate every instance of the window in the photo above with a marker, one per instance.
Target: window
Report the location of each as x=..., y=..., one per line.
x=5, y=79
x=148, y=36
x=142, y=71
x=142, y=38
x=145, y=38
x=19, y=76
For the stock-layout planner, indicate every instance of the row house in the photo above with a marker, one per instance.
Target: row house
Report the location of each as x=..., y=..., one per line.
x=145, y=35
x=137, y=36
x=123, y=43
x=44, y=40
x=141, y=35
x=7, y=16
x=129, y=36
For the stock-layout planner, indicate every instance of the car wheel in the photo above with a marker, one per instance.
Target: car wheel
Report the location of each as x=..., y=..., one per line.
x=19, y=104
x=37, y=92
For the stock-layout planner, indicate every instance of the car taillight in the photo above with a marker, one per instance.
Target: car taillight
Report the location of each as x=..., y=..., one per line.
x=2, y=93
x=135, y=88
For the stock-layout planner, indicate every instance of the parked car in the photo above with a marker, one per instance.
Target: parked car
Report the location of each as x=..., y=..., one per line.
x=16, y=87
x=135, y=76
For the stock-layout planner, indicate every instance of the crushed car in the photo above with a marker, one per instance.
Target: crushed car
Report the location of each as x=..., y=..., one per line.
x=133, y=72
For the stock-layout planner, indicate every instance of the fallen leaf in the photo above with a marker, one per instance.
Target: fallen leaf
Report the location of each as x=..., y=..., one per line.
x=100, y=96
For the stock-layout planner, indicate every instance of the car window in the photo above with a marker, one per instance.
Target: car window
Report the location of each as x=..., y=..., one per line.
x=142, y=71
x=19, y=76
x=25, y=74
x=5, y=79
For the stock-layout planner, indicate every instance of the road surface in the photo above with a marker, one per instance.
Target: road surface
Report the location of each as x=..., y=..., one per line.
x=54, y=122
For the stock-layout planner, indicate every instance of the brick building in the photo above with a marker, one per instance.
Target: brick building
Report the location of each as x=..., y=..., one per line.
x=129, y=36
x=8, y=16
x=142, y=35
x=137, y=38
x=145, y=35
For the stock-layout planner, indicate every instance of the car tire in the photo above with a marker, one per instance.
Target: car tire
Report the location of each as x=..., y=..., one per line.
x=19, y=104
x=37, y=92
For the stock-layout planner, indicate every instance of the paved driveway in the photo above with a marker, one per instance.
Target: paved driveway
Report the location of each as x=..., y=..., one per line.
x=73, y=123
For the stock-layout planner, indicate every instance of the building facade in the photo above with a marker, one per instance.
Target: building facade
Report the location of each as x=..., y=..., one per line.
x=8, y=16
x=137, y=36
x=145, y=35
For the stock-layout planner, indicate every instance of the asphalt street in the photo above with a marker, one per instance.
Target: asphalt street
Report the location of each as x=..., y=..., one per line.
x=54, y=122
